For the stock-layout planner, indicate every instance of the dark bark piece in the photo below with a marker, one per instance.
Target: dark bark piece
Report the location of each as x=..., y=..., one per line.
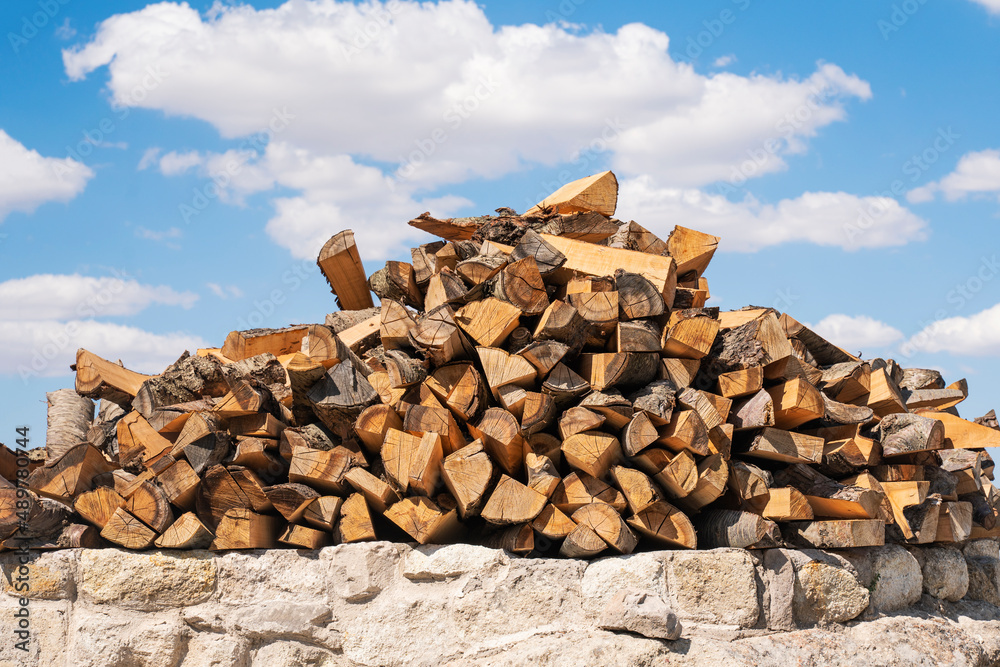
x=844, y=413
x=910, y=433
x=340, y=396
x=188, y=379
x=204, y=441
x=657, y=400
x=564, y=385
x=637, y=336
x=404, y=371
x=736, y=529
x=921, y=378
x=846, y=381
x=397, y=281
x=633, y=236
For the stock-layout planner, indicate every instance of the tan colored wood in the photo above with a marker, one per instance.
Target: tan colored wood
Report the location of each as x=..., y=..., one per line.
x=837, y=534
x=439, y=336
x=422, y=419
x=638, y=435
x=520, y=284
x=692, y=250
x=460, y=387
x=963, y=434
x=582, y=542
x=681, y=372
x=779, y=445
x=467, y=474
x=712, y=475
x=100, y=378
x=501, y=435
x=552, y=523
x=592, y=452
x=373, y=423
x=600, y=309
x=322, y=512
x=341, y=264
x=787, y=504
x=676, y=472
x=98, y=505
x=241, y=345
x=138, y=441
x=518, y=539
x=502, y=368
x=355, y=522
x=544, y=355
x=638, y=488
x=795, y=403
x=686, y=430
x=149, y=504
x=884, y=396
x=741, y=382
x=424, y=521
x=242, y=528
x=127, y=531
x=513, y=503
x=954, y=522
x=489, y=322
x=187, y=532
x=542, y=474
x=689, y=337
x=578, y=489
x=70, y=474
x=598, y=193
x=304, y=537
x=665, y=525
x=538, y=414
x=322, y=470
x=609, y=526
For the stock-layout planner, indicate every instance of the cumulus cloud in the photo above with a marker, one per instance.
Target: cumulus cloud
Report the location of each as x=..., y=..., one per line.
x=856, y=333
x=174, y=163
x=33, y=348
x=977, y=173
x=28, y=180
x=977, y=335
x=993, y=6
x=823, y=218
x=69, y=297
x=224, y=292
x=438, y=80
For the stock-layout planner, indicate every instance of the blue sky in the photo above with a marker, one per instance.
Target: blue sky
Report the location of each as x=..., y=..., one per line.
x=168, y=172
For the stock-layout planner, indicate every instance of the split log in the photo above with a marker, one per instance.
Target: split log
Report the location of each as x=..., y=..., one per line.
x=341, y=264
x=637, y=297
x=542, y=474
x=795, y=403
x=501, y=435
x=691, y=250
x=439, y=337
x=378, y=494
x=397, y=281
x=544, y=355
x=578, y=489
x=582, y=542
x=686, y=430
x=638, y=435
x=712, y=475
x=736, y=529
x=513, y=503
x=100, y=378
x=743, y=382
x=827, y=497
x=520, y=284
x=618, y=369
x=518, y=540
x=690, y=334
x=846, y=382
x=241, y=345
x=138, y=442
x=908, y=433
x=459, y=386
x=69, y=416
x=467, y=474
x=677, y=472
x=713, y=410
x=637, y=487
x=657, y=400
x=355, y=522
x=423, y=419
x=502, y=368
x=395, y=325
x=291, y=500
x=481, y=268
x=963, y=434
x=488, y=322
x=424, y=521
x=204, y=442
x=954, y=522
x=787, y=504
x=322, y=470
x=322, y=512
x=552, y=524
x=680, y=372
x=127, y=531
x=538, y=414
x=840, y=534
x=373, y=423
x=150, y=505
x=340, y=396
x=608, y=525
x=637, y=336
x=563, y=323
x=241, y=528
x=884, y=396
x=750, y=484
x=304, y=537
x=592, y=452
x=188, y=379
x=187, y=532
x=446, y=287
x=598, y=193
x=98, y=505
x=633, y=236
x=69, y=475
x=785, y=446
x=665, y=525
x=754, y=412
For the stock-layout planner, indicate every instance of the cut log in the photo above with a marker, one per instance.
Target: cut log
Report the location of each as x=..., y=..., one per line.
x=513, y=503
x=637, y=487
x=616, y=410
x=637, y=336
x=686, y=430
x=423, y=419
x=397, y=281
x=592, y=452
x=395, y=325
x=261, y=425
x=379, y=495
x=481, y=268
x=954, y=522
x=633, y=236
x=138, y=441
x=68, y=419
x=291, y=500
x=618, y=369
x=460, y=387
x=322, y=512
x=404, y=371
x=908, y=434
x=542, y=474
x=637, y=297
x=373, y=423
x=355, y=522
x=489, y=322
x=608, y=525
x=544, y=355
x=597, y=193
x=750, y=484
x=691, y=250
x=520, y=284
x=846, y=382
x=582, y=542
x=842, y=534
x=665, y=525
x=424, y=521
x=457, y=229
x=98, y=505
x=187, y=532
x=689, y=334
x=446, y=287
x=552, y=524
x=439, y=337
x=341, y=264
x=322, y=470
x=204, y=442
x=829, y=498
x=241, y=345
x=824, y=352
x=502, y=368
x=963, y=434
x=785, y=446
x=787, y=504
x=738, y=530
x=638, y=435
x=304, y=537
x=742, y=382
x=677, y=473
x=712, y=475
x=501, y=436
x=69, y=475
x=680, y=372
x=242, y=528
x=547, y=258
x=467, y=474
x=563, y=323
x=150, y=505
x=578, y=489
x=884, y=396
x=538, y=414
x=340, y=396
x=518, y=540
x=100, y=378
x=127, y=531
x=754, y=412
x=795, y=403
x=713, y=410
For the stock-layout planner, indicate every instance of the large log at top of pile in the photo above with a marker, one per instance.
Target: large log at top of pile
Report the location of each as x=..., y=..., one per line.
x=549, y=383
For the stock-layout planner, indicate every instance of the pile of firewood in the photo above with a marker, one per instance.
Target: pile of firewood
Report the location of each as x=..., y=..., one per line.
x=550, y=382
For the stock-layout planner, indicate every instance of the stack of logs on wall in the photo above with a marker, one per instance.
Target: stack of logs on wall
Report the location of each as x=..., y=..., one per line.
x=547, y=383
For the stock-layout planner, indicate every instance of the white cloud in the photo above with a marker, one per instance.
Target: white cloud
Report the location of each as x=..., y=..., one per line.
x=977, y=335
x=857, y=333
x=725, y=60
x=224, y=292
x=68, y=297
x=32, y=348
x=159, y=237
x=976, y=173
x=65, y=30
x=149, y=158
x=823, y=218
x=174, y=163
x=993, y=6
x=438, y=81
x=27, y=179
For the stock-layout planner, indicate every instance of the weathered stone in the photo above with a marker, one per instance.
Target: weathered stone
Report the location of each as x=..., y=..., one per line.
x=48, y=575
x=825, y=593
x=891, y=575
x=778, y=577
x=275, y=574
x=217, y=650
x=146, y=581
x=604, y=578
x=946, y=575
x=359, y=572
x=988, y=548
x=48, y=627
x=717, y=586
x=984, y=579
x=438, y=563
x=115, y=637
x=643, y=613
x=294, y=654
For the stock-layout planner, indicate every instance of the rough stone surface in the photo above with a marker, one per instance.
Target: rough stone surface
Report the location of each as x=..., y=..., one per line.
x=717, y=587
x=890, y=573
x=381, y=604
x=946, y=575
x=50, y=575
x=146, y=581
x=643, y=613
x=988, y=548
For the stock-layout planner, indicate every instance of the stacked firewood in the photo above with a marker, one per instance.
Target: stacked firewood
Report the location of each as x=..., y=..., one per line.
x=551, y=382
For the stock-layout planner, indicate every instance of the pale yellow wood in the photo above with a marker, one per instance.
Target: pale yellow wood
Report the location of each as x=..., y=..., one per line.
x=593, y=193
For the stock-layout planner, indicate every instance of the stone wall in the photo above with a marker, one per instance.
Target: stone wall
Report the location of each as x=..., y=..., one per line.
x=392, y=604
